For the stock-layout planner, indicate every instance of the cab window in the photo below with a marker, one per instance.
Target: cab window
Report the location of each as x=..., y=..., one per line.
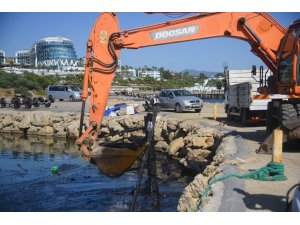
x=286, y=57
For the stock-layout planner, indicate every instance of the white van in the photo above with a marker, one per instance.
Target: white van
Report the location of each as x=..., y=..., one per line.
x=62, y=92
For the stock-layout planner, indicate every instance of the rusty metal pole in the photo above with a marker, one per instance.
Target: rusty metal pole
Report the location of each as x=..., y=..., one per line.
x=215, y=111
x=277, y=145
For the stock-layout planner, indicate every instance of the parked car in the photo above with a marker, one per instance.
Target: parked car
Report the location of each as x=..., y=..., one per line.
x=179, y=100
x=64, y=92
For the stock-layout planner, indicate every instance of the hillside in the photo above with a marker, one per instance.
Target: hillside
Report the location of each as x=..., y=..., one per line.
x=197, y=72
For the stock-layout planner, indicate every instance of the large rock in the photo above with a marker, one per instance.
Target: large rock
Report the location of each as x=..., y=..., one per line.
x=19, y=116
x=127, y=122
x=158, y=133
x=57, y=126
x=54, y=120
x=104, y=131
x=189, y=199
x=40, y=119
x=33, y=130
x=207, y=132
x=175, y=146
x=115, y=138
x=162, y=145
x=171, y=136
x=25, y=123
x=15, y=129
x=67, y=118
x=73, y=130
x=7, y=129
x=46, y=131
x=138, y=120
x=186, y=126
x=137, y=136
x=7, y=121
x=199, y=155
x=199, y=142
x=115, y=127
x=105, y=122
x=172, y=125
x=60, y=132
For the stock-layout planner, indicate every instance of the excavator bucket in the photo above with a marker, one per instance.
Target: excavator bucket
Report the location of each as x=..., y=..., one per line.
x=291, y=132
x=115, y=160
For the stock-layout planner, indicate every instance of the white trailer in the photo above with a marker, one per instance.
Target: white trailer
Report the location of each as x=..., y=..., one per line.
x=241, y=97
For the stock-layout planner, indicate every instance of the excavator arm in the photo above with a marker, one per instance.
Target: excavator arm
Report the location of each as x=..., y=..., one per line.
x=260, y=30
x=101, y=62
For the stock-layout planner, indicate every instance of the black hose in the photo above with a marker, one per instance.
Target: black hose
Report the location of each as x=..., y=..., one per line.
x=110, y=66
x=138, y=183
x=150, y=157
x=81, y=117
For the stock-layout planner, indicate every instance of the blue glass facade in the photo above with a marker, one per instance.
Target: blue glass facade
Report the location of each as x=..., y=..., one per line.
x=53, y=49
x=23, y=57
x=57, y=52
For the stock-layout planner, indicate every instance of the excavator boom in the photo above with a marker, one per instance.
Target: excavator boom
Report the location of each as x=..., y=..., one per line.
x=260, y=30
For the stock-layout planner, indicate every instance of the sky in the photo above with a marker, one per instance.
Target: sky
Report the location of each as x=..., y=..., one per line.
x=20, y=30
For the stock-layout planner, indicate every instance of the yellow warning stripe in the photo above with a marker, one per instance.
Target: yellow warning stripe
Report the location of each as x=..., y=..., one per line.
x=264, y=96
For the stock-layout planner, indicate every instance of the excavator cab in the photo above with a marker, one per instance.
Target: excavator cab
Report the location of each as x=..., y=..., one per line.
x=288, y=61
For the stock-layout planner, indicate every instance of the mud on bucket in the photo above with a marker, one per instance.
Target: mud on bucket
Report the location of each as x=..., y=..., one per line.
x=113, y=160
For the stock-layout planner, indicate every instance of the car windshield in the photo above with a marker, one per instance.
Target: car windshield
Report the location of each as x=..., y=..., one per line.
x=182, y=93
x=75, y=88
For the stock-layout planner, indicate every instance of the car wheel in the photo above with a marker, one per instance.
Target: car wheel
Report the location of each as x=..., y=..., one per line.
x=16, y=102
x=52, y=100
x=48, y=104
x=41, y=99
x=28, y=104
x=229, y=117
x=3, y=102
x=72, y=98
x=244, y=117
x=178, y=108
x=197, y=110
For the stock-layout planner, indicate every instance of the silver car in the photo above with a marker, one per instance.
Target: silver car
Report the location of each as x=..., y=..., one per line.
x=62, y=92
x=179, y=100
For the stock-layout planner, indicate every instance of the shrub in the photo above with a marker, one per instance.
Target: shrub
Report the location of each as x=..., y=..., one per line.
x=23, y=91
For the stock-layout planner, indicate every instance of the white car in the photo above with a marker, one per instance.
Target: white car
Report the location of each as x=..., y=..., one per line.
x=179, y=100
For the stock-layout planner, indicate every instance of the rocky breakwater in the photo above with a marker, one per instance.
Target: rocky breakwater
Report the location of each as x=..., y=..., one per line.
x=194, y=145
x=62, y=125
x=197, y=147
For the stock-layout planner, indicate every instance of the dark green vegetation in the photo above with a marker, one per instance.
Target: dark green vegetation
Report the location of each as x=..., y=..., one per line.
x=170, y=80
x=31, y=84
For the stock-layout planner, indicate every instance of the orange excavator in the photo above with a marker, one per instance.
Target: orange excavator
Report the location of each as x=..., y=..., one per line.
x=275, y=45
